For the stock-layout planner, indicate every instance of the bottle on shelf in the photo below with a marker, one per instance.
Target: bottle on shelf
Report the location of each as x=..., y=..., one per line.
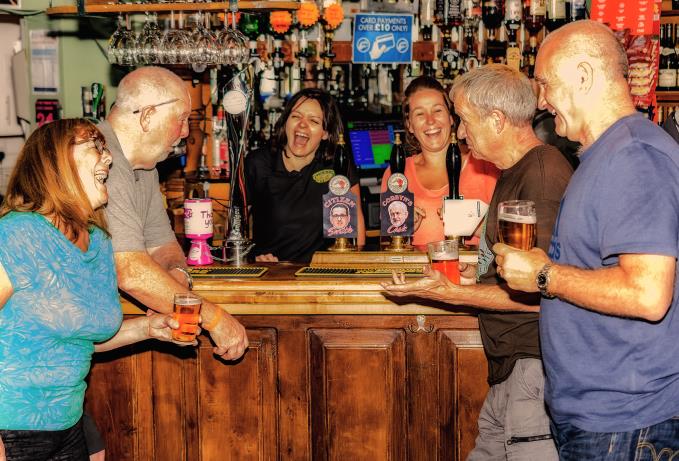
x=447, y=13
x=556, y=14
x=576, y=10
x=534, y=15
x=470, y=60
x=675, y=28
x=491, y=13
x=341, y=162
x=667, y=71
x=531, y=54
x=513, y=17
x=426, y=18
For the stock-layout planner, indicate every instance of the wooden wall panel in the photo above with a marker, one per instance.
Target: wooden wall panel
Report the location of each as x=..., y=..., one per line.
x=238, y=406
x=463, y=374
x=358, y=394
x=120, y=402
x=173, y=413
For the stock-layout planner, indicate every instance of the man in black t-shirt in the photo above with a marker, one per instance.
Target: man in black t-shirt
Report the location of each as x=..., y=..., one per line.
x=496, y=106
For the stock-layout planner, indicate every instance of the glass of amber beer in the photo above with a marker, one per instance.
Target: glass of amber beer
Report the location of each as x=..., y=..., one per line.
x=187, y=313
x=444, y=257
x=516, y=223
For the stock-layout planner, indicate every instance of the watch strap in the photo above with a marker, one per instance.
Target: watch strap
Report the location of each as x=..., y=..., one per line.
x=542, y=280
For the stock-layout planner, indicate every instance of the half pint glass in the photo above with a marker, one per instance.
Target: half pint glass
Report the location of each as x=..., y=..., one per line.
x=187, y=313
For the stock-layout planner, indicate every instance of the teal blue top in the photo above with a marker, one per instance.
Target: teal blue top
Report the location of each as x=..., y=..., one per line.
x=64, y=301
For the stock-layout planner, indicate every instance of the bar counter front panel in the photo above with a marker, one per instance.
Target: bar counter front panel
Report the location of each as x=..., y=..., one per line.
x=334, y=371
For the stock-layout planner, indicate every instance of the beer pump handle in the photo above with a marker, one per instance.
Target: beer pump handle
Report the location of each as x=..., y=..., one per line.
x=341, y=163
x=397, y=159
x=453, y=168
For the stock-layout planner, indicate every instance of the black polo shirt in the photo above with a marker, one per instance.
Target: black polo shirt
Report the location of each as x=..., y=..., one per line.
x=287, y=208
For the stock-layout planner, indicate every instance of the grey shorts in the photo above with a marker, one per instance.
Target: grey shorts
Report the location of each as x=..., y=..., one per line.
x=92, y=436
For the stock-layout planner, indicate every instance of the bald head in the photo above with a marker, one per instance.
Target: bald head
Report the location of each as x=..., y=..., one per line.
x=150, y=115
x=148, y=85
x=582, y=72
x=591, y=39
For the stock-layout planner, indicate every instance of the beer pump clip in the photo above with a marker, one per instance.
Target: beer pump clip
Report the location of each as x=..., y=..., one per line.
x=397, y=215
x=339, y=204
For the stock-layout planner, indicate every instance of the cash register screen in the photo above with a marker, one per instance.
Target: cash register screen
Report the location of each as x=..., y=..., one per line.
x=371, y=142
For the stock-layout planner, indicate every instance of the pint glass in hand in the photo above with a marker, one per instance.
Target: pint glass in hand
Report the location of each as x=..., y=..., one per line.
x=516, y=223
x=187, y=313
x=444, y=257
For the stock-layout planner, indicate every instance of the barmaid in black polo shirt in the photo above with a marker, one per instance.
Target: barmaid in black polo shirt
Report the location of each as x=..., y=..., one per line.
x=286, y=180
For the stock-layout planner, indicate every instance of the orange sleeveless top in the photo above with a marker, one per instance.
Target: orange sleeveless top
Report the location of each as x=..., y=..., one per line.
x=477, y=181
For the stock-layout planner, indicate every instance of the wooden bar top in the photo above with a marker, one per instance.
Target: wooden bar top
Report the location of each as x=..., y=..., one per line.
x=279, y=292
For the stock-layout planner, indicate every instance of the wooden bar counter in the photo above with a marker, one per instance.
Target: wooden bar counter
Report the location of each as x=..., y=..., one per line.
x=334, y=371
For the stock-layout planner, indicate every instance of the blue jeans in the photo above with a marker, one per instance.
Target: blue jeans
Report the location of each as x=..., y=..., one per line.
x=659, y=442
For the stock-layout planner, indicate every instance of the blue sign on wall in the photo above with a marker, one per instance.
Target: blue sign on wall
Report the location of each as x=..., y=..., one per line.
x=383, y=38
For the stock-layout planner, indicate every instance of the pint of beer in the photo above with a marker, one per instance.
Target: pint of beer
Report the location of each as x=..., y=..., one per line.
x=444, y=257
x=187, y=313
x=516, y=223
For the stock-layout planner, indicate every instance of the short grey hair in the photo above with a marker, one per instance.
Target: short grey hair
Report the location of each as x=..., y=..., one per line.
x=498, y=87
x=147, y=85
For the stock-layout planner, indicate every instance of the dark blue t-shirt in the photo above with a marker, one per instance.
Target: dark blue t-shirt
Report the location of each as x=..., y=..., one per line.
x=605, y=373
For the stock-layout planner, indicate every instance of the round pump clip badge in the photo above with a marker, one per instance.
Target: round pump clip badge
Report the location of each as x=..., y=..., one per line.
x=397, y=183
x=339, y=185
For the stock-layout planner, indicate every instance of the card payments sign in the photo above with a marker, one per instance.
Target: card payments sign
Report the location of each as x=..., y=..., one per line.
x=383, y=38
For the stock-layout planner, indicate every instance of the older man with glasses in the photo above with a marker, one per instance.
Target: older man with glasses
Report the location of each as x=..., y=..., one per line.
x=149, y=118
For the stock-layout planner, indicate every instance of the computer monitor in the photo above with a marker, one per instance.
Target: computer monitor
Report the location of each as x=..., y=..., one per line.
x=371, y=142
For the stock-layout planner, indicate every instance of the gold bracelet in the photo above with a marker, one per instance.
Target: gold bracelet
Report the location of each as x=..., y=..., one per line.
x=218, y=316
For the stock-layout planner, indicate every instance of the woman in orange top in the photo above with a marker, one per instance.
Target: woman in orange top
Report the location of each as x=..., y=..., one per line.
x=428, y=120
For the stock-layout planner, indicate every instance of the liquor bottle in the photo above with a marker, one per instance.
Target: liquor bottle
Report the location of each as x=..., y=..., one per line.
x=534, y=15
x=397, y=160
x=676, y=50
x=447, y=13
x=513, y=16
x=576, y=10
x=341, y=163
x=303, y=56
x=491, y=13
x=556, y=14
x=278, y=56
x=426, y=18
x=470, y=60
x=531, y=54
x=471, y=14
x=453, y=168
x=513, y=56
x=495, y=49
x=667, y=72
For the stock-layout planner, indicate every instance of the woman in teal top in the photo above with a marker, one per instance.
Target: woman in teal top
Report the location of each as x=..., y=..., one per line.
x=58, y=293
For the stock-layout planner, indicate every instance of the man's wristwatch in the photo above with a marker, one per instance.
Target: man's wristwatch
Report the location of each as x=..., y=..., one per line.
x=183, y=270
x=542, y=281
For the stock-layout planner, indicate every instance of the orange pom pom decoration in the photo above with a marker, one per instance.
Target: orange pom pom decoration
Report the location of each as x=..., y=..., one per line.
x=280, y=21
x=307, y=14
x=333, y=16
x=228, y=18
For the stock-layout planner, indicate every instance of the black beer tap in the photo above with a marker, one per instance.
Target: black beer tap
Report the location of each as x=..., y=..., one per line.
x=453, y=168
